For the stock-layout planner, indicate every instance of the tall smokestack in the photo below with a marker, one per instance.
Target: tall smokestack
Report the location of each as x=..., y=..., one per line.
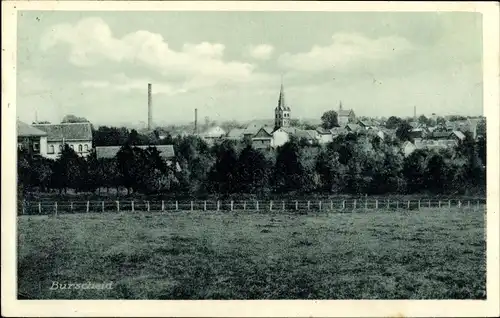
x=196, y=120
x=415, y=113
x=150, y=104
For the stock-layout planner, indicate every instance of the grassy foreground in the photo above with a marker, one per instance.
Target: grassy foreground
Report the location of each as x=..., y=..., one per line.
x=427, y=254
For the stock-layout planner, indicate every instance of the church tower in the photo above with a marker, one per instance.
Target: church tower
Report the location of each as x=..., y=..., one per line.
x=282, y=111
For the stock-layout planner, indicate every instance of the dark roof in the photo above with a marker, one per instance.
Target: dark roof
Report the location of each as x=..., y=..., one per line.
x=440, y=134
x=25, y=130
x=352, y=127
x=68, y=131
x=166, y=151
x=323, y=131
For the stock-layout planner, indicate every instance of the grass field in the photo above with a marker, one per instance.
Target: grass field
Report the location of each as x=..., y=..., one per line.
x=427, y=254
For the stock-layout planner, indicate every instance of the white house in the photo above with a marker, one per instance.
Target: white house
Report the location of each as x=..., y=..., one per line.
x=324, y=135
x=77, y=135
x=282, y=135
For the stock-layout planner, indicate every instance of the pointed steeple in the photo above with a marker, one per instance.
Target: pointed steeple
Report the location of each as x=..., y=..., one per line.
x=340, y=105
x=281, y=100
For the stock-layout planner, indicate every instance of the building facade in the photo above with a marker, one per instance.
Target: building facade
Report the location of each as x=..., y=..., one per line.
x=78, y=136
x=31, y=139
x=345, y=116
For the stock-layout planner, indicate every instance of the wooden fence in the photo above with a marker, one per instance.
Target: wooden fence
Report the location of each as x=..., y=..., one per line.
x=67, y=207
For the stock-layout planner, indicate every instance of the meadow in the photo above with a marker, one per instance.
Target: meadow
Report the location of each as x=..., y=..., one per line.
x=380, y=254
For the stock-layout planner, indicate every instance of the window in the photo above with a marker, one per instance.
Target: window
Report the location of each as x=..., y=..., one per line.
x=36, y=146
x=51, y=149
x=80, y=148
x=86, y=147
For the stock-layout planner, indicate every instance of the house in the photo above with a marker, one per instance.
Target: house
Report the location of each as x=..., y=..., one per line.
x=352, y=127
x=235, y=134
x=282, y=135
x=310, y=135
x=417, y=133
x=338, y=131
x=345, y=116
x=324, y=135
x=408, y=147
x=213, y=134
x=31, y=139
x=262, y=139
x=78, y=136
x=167, y=153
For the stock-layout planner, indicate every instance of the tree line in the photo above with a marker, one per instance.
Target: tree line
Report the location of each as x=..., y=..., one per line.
x=354, y=163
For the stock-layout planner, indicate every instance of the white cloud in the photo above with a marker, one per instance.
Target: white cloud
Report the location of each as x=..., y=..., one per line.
x=91, y=42
x=346, y=50
x=261, y=52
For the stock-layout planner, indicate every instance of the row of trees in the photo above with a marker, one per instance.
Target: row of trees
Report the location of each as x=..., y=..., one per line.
x=353, y=164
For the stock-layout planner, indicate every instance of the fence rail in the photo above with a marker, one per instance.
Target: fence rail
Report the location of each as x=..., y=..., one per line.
x=68, y=207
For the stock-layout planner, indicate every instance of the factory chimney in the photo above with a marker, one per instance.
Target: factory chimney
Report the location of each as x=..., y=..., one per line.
x=415, y=113
x=150, y=105
x=196, y=120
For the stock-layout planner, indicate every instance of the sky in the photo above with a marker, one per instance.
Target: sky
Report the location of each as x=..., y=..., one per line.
x=229, y=65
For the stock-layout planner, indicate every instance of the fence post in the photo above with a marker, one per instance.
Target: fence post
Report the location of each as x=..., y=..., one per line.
x=397, y=205
x=478, y=204
x=22, y=208
x=319, y=205
x=419, y=204
x=331, y=204
x=343, y=204
x=308, y=205
x=118, y=206
x=149, y=208
x=204, y=205
x=176, y=206
x=449, y=203
x=132, y=205
x=429, y=204
x=88, y=206
x=244, y=205
x=408, y=204
x=231, y=205
x=71, y=206
x=271, y=205
x=376, y=204
x=39, y=207
x=459, y=204
x=354, y=205
x=55, y=208
x=102, y=205
x=366, y=204
x=218, y=205
x=192, y=207
x=296, y=205
x=468, y=204
x=162, y=205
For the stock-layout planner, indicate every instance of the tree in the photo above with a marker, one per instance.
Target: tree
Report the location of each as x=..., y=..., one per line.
x=73, y=119
x=414, y=168
x=403, y=132
x=423, y=120
x=253, y=172
x=440, y=120
x=329, y=119
x=393, y=122
x=68, y=170
x=289, y=173
x=223, y=177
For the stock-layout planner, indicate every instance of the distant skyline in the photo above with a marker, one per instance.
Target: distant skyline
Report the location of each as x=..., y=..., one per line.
x=229, y=64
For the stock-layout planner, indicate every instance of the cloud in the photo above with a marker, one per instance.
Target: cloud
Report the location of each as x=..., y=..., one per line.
x=91, y=42
x=261, y=52
x=346, y=50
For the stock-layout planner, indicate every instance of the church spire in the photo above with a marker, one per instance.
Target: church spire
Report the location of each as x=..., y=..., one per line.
x=340, y=105
x=281, y=100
